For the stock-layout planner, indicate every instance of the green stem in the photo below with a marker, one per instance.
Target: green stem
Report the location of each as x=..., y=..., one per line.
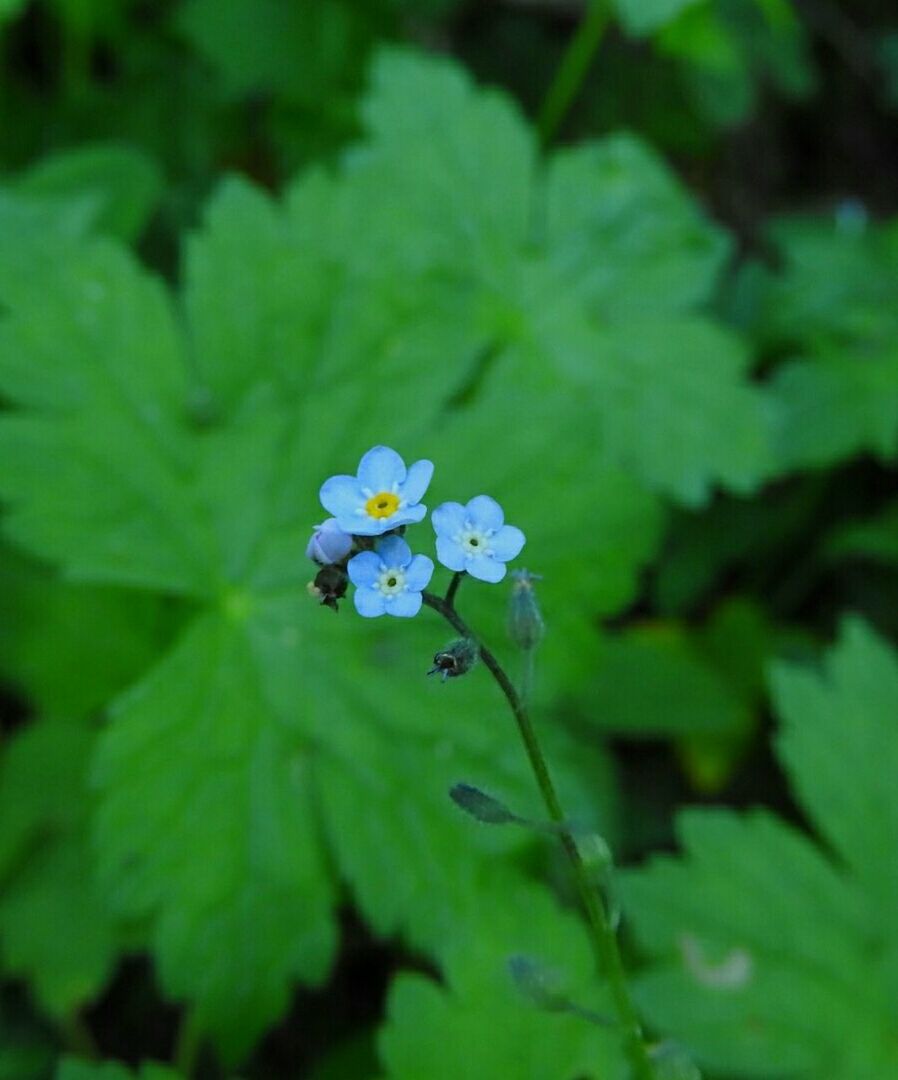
x=188, y=1044
x=527, y=676
x=572, y=70
x=603, y=937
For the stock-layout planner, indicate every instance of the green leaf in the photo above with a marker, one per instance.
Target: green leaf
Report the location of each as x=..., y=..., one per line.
x=24, y=216
x=658, y=254
x=835, y=407
x=207, y=825
x=728, y=50
x=830, y=306
x=54, y=632
x=769, y=957
x=252, y=294
x=71, y=1068
x=54, y=928
x=654, y=682
x=640, y=17
x=125, y=182
x=480, y=806
x=838, y=724
x=650, y=387
x=663, y=417
x=479, y=1025
x=469, y=190
x=94, y=458
x=9, y=9
x=304, y=53
x=837, y=275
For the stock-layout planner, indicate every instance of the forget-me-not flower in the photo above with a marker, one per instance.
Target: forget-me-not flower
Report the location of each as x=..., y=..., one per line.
x=389, y=579
x=328, y=544
x=382, y=497
x=475, y=538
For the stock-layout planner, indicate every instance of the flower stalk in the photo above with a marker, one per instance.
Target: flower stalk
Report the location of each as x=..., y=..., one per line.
x=602, y=934
x=572, y=70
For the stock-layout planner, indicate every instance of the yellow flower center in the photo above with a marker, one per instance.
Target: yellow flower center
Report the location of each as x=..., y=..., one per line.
x=382, y=505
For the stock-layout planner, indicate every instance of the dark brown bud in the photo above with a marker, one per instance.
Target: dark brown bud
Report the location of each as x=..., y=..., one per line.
x=329, y=585
x=456, y=659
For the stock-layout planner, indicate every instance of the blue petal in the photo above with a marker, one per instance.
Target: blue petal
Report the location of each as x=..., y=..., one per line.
x=412, y=491
x=486, y=569
x=448, y=519
x=380, y=469
x=411, y=515
x=363, y=568
x=405, y=605
x=485, y=513
x=368, y=526
x=369, y=602
x=393, y=552
x=451, y=554
x=342, y=497
x=507, y=543
x=419, y=573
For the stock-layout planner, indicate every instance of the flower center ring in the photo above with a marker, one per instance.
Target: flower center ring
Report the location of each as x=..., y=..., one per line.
x=391, y=582
x=474, y=541
x=382, y=505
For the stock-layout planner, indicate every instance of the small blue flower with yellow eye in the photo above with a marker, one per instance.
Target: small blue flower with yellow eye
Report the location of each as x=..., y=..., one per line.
x=389, y=580
x=475, y=538
x=383, y=496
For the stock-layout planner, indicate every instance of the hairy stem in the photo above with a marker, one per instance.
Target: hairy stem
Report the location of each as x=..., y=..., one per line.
x=603, y=936
x=572, y=70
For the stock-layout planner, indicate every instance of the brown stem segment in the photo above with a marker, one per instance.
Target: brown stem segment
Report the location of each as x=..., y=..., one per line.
x=603, y=937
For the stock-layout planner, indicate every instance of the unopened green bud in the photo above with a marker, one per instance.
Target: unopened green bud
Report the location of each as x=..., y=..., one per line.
x=525, y=621
x=456, y=659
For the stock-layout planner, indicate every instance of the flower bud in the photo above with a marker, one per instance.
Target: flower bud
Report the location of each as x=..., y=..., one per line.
x=329, y=544
x=329, y=586
x=525, y=621
x=456, y=659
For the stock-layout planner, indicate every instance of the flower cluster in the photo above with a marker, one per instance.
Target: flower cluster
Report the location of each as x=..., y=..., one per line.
x=363, y=539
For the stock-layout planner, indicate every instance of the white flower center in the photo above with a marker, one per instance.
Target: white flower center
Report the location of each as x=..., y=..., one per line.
x=474, y=542
x=391, y=582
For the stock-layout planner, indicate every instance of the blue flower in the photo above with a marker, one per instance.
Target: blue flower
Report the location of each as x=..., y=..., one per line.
x=382, y=497
x=475, y=538
x=389, y=580
x=329, y=544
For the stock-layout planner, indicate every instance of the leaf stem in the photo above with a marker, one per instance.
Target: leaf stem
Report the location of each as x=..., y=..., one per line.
x=603, y=936
x=572, y=70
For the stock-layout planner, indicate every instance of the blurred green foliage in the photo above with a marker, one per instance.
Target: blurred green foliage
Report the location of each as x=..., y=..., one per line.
x=242, y=242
